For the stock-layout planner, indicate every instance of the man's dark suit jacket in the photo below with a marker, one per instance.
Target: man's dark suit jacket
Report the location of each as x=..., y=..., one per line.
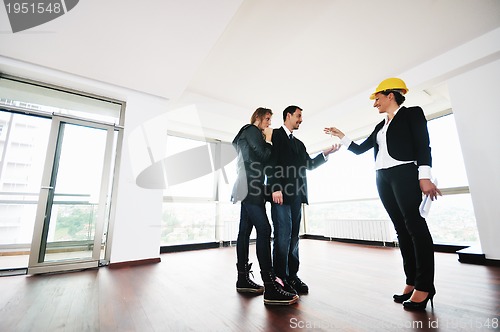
x=289, y=165
x=407, y=137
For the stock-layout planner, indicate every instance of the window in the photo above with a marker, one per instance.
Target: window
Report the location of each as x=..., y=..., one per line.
x=45, y=101
x=190, y=176
x=197, y=205
x=343, y=193
x=451, y=219
x=22, y=156
x=28, y=111
x=345, y=176
x=188, y=222
x=343, y=198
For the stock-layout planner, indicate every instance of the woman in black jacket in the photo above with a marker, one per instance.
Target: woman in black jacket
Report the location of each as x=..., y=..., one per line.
x=254, y=148
x=403, y=163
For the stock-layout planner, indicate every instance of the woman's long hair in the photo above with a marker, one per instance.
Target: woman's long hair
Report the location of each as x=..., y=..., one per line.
x=259, y=114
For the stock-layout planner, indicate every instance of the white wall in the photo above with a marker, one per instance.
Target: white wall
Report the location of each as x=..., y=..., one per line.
x=474, y=97
x=136, y=233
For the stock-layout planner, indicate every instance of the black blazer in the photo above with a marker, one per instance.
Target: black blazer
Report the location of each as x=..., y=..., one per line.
x=407, y=137
x=289, y=165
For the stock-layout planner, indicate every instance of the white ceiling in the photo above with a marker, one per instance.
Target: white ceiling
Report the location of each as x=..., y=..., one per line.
x=225, y=58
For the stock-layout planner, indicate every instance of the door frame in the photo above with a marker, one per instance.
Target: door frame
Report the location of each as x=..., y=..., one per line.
x=35, y=266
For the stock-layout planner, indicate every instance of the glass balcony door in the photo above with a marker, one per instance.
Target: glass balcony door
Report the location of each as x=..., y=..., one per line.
x=23, y=146
x=74, y=197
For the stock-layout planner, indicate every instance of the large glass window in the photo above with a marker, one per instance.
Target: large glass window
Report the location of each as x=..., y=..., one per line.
x=23, y=144
x=343, y=192
x=27, y=113
x=345, y=176
x=363, y=219
x=343, y=199
x=188, y=222
x=190, y=178
x=197, y=205
x=451, y=219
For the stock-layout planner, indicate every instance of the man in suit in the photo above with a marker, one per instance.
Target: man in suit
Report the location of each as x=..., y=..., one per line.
x=288, y=184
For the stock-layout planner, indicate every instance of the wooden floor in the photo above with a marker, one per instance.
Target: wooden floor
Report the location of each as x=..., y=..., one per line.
x=351, y=289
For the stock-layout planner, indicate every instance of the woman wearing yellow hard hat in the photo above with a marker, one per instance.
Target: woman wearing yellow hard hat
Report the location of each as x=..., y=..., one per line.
x=403, y=162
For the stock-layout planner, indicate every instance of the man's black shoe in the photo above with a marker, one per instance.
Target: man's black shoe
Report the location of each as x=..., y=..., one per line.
x=299, y=285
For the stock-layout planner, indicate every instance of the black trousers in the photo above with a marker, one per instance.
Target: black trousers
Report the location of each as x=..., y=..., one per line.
x=400, y=193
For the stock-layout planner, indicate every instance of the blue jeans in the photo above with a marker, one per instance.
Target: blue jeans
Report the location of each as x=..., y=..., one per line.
x=286, y=222
x=254, y=215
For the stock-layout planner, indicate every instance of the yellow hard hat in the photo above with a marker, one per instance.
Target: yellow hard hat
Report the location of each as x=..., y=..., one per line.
x=390, y=84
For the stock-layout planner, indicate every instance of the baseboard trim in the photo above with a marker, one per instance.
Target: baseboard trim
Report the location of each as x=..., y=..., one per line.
x=474, y=255
x=188, y=247
x=448, y=248
x=121, y=265
x=477, y=259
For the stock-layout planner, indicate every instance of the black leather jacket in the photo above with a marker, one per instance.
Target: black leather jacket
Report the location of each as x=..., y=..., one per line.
x=253, y=155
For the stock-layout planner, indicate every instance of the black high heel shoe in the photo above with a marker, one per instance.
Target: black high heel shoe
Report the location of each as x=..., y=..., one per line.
x=401, y=298
x=410, y=305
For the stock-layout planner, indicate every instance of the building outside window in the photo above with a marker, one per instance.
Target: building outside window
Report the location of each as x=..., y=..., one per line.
x=344, y=201
x=198, y=209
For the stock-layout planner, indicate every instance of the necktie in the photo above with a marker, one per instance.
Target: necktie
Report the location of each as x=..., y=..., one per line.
x=292, y=143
